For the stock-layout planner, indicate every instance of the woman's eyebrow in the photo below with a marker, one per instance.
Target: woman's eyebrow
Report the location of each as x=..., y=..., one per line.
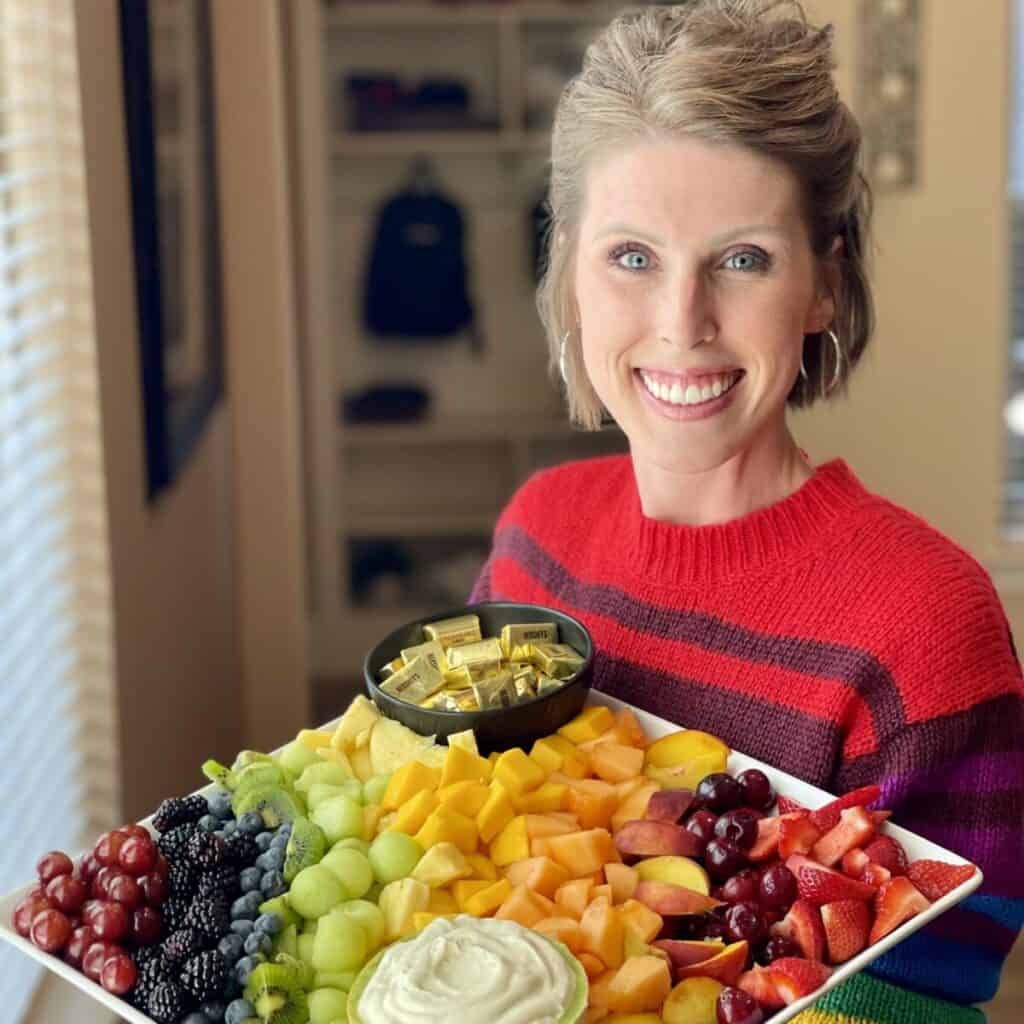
x=626, y=229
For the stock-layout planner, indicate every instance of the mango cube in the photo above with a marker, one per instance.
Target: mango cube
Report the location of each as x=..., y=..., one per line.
x=409, y=780
x=460, y=763
x=512, y=842
x=445, y=826
x=551, y=796
x=411, y=816
x=468, y=887
x=588, y=724
x=465, y=796
x=496, y=813
x=486, y=901
x=482, y=867
x=517, y=772
x=442, y=902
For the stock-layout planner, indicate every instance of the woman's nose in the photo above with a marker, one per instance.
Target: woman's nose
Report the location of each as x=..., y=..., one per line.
x=688, y=317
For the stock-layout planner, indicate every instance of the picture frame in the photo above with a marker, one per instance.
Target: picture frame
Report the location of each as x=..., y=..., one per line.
x=167, y=66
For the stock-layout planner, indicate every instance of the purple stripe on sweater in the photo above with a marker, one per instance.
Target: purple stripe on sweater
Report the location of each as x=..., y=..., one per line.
x=986, y=772
x=979, y=810
x=968, y=926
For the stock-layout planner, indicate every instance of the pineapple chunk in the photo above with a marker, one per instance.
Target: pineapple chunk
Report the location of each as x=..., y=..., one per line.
x=338, y=757
x=354, y=728
x=398, y=901
x=393, y=745
x=441, y=864
x=432, y=756
x=464, y=739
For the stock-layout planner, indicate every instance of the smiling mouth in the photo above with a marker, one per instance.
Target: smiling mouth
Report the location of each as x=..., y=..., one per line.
x=710, y=387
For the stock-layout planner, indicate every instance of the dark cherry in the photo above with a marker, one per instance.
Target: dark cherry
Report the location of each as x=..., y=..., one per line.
x=777, y=947
x=154, y=888
x=739, y=825
x=735, y=1006
x=715, y=929
x=719, y=792
x=743, y=887
x=145, y=926
x=757, y=790
x=702, y=825
x=745, y=921
x=778, y=887
x=723, y=858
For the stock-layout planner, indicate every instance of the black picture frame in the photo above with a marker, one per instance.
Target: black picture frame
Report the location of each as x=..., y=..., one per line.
x=175, y=411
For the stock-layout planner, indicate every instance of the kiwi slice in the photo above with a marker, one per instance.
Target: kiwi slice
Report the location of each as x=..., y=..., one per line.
x=275, y=991
x=276, y=805
x=244, y=758
x=306, y=847
x=261, y=773
x=219, y=773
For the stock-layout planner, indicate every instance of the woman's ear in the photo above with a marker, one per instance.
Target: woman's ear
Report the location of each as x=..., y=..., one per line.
x=829, y=288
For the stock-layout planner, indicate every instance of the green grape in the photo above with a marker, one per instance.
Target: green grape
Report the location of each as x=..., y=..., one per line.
x=370, y=916
x=339, y=945
x=327, y=1005
x=305, y=944
x=340, y=817
x=352, y=869
x=394, y=855
x=354, y=789
x=352, y=844
x=329, y=772
x=335, y=979
x=314, y=891
x=297, y=757
x=320, y=792
x=373, y=789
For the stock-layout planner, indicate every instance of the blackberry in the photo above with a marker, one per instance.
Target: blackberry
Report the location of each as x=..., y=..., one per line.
x=174, y=911
x=241, y=849
x=172, y=844
x=182, y=879
x=205, y=975
x=204, y=850
x=145, y=955
x=221, y=881
x=154, y=971
x=209, y=916
x=174, y=812
x=183, y=945
x=167, y=1003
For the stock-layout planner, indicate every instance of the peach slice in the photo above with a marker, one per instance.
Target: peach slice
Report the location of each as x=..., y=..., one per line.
x=683, y=747
x=669, y=805
x=641, y=983
x=677, y=870
x=687, y=952
x=725, y=967
x=673, y=900
x=654, y=838
x=692, y=1001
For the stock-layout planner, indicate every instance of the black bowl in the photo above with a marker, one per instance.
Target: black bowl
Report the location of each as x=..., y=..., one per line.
x=497, y=728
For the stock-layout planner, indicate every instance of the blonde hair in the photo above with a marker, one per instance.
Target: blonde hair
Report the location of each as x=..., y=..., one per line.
x=751, y=73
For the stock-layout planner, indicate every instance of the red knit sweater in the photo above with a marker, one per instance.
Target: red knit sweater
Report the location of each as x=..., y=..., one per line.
x=833, y=635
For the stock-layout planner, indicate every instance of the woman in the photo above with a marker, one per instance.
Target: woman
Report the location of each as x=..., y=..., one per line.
x=709, y=226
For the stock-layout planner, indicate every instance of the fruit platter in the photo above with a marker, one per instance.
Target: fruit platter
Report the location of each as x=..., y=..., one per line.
x=651, y=873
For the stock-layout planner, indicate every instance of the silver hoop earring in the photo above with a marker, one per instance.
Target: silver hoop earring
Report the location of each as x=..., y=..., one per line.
x=561, y=358
x=837, y=371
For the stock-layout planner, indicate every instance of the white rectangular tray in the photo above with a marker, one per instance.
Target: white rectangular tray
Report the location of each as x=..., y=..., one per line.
x=783, y=784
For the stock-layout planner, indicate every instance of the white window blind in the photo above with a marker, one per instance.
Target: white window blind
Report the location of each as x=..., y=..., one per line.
x=1013, y=499
x=57, y=727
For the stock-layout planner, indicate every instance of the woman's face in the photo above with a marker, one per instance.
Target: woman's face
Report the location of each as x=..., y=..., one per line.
x=696, y=284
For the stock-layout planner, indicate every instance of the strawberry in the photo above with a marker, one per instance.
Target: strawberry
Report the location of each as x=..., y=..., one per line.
x=847, y=924
x=758, y=983
x=767, y=841
x=822, y=885
x=787, y=805
x=896, y=901
x=794, y=977
x=887, y=851
x=854, y=862
x=854, y=829
x=796, y=834
x=874, y=874
x=934, y=878
x=803, y=926
x=827, y=817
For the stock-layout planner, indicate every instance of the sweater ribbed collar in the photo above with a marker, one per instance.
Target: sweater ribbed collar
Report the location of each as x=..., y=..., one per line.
x=674, y=554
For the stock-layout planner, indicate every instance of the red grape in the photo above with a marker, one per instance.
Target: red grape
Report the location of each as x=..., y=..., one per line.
x=88, y=866
x=138, y=855
x=161, y=867
x=735, y=1006
x=81, y=939
x=50, y=930
x=96, y=955
x=101, y=880
x=154, y=888
x=778, y=887
x=146, y=926
x=108, y=846
x=722, y=858
x=54, y=864
x=777, y=947
x=757, y=790
x=739, y=825
x=26, y=911
x=745, y=921
x=67, y=893
x=742, y=887
x=136, y=830
x=719, y=792
x=125, y=890
x=110, y=922
x=118, y=974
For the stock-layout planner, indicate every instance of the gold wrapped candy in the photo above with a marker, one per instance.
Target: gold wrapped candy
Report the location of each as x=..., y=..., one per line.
x=448, y=632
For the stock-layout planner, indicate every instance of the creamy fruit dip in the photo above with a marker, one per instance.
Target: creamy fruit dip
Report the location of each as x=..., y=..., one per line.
x=470, y=970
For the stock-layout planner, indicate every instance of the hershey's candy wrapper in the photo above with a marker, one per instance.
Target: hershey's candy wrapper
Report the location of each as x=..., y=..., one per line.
x=447, y=632
x=545, y=684
x=482, y=658
x=558, y=660
x=414, y=682
x=526, y=685
x=431, y=650
x=496, y=691
x=458, y=678
x=390, y=668
x=515, y=635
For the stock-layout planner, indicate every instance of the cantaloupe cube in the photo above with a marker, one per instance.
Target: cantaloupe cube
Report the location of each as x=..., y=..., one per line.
x=540, y=874
x=641, y=983
x=486, y=901
x=442, y=902
x=539, y=847
x=575, y=762
x=597, y=1014
x=591, y=964
x=468, y=887
x=603, y=932
x=444, y=826
x=600, y=991
x=511, y=843
x=483, y=867
x=565, y=929
x=550, y=796
x=466, y=797
x=573, y=896
x=539, y=826
x=460, y=763
x=517, y=773
x=641, y=920
x=524, y=907
x=409, y=818
x=584, y=852
x=496, y=813
x=547, y=755
x=615, y=762
x=602, y=892
x=628, y=724
x=623, y=789
x=588, y=724
x=409, y=780
x=593, y=802
x=614, y=735
x=623, y=881
x=634, y=806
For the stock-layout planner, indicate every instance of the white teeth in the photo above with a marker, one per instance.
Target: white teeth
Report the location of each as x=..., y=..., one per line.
x=692, y=395
x=676, y=395
x=716, y=387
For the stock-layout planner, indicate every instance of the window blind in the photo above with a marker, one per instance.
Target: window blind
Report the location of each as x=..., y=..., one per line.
x=57, y=726
x=1013, y=490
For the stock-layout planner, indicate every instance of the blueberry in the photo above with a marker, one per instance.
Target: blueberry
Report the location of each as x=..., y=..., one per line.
x=213, y=1012
x=195, y=1018
x=269, y=924
x=242, y=927
x=246, y=906
x=251, y=822
x=230, y=828
x=245, y=967
x=239, y=1010
x=272, y=860
x=284, y=829
x=231, y=947
x=263, y=841
x=219, y=803
x=249, y=879
x=258, y=943
x=272, y=884
x=279, y=842
x=208, y=823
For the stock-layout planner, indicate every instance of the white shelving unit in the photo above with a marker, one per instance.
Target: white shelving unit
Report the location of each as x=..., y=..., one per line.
x=495, y=417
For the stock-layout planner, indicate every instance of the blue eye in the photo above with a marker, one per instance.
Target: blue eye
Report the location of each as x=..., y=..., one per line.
x=637, y=260
x=755, y=260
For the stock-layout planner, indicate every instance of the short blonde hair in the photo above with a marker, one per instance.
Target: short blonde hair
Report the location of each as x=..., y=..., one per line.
x=752, y=73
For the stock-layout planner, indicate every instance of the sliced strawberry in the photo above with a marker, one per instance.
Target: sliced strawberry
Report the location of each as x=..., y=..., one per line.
x=897, y=901
x=795, y=977
x=796, y=834
x=787, y=804
x=758, y=982
x=847, y=924
x=854, y=862
x=827, y=817
x=874, y=874
x=855, y=828
x=767, y=841
x=934, y=878
x=804, y=926
x=889, y=853
x=880, y=816
x=822, y=885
